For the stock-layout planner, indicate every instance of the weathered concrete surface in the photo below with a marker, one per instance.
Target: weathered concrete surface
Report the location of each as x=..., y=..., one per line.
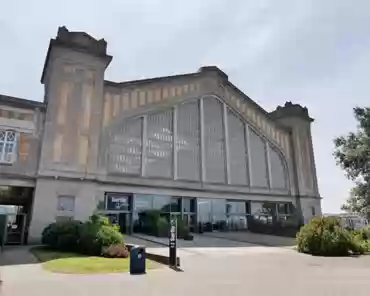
x=209, y=271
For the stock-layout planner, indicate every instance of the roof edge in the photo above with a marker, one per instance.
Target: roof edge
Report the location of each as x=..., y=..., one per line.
x=21, y=103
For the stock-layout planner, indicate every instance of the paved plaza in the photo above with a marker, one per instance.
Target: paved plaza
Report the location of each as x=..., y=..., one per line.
x=234, y=269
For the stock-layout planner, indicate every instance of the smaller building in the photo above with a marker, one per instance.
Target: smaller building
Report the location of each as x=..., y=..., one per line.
x=350, y=220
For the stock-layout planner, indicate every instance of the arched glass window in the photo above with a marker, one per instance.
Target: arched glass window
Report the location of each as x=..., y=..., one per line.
x=278, y=172
x=188, y=141
x=258, y=158
x=237, y=150
x=7, y=146
x=159, y=145
x=126, y=147
x=214, y=141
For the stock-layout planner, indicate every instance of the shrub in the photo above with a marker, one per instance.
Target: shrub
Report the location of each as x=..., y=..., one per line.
x=162, y=227
x=63, y=235
x=148, y=221
x=96, y=234
x=324, y=236
x=109, y=235
x=115, y=251
x=360, y=243
x=182, y=228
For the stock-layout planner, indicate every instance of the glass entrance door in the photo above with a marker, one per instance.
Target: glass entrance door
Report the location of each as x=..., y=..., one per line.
x=121, y=220
x=189, y=220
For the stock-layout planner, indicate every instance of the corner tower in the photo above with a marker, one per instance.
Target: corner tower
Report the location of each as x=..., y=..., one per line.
x=73, y=77
x=297, y=118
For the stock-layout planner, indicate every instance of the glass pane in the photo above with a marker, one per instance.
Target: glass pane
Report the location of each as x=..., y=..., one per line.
x=143, y=202
x=258, y=160
x=236, y=207
x=100, y=202
x=176, y=204
x=162, y=202
x=10, y=136
x=125, y=148
x=214, y=141
x=278, y=175
x=188, y=141
x=237, y=222
x=218, y=212
x=118, y=202
x=159, y=145
x=283, y=209
x=269, y=208
x=9, y=148
x=188, y=204
x=256, y=208
x=204, y=210
x=113, y=219
x=237, y=150
x=66, y=203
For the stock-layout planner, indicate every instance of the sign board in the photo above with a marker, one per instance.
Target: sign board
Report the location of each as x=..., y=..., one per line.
x=173, y=242
x=118, y=202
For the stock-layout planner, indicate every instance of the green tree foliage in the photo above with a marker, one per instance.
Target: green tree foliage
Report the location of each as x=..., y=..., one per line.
x=325, y=236
x=352, y=153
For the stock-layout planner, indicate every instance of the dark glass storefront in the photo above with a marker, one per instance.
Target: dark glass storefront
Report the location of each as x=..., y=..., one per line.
x=222, y=214
x=199, y=214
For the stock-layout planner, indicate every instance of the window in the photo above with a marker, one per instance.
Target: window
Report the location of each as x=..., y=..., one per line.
x=237, y=150
x=7, y=146
x=66, y=204
x=189, y=205
x=283, y=208
x=258, y=160
x=214, y=141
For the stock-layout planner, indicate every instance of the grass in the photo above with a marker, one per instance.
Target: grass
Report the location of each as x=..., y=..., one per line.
x=72, y=263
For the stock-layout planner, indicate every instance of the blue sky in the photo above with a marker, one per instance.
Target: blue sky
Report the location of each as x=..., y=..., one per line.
x=311, y=52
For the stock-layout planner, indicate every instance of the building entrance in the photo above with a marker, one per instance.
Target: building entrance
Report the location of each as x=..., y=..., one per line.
x=15, y=214
x=120, y=219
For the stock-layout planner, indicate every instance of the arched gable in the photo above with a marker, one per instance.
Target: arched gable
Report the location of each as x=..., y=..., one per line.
x=199, y=140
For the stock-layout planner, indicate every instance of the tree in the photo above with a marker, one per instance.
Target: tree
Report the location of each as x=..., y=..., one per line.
x=352, y=153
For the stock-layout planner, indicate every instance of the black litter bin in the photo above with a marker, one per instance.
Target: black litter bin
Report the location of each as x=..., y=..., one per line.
x=137, y=260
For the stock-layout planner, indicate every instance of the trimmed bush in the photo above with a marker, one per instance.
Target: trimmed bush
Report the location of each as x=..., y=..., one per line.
x=149, y=221
x=162, y=227
x=96, y=234
x=63, y=235
x=87, y=238
x=324, y=236
x=115, y=251
x=182, y=228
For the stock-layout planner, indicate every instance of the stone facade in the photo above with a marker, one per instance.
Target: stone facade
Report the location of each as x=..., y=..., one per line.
x=91, y=136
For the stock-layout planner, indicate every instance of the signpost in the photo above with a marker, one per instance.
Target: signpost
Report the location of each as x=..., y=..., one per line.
x=173, y=241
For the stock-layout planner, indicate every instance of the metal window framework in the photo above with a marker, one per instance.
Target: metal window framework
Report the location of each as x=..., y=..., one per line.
x=249, y=180
x=8, y=140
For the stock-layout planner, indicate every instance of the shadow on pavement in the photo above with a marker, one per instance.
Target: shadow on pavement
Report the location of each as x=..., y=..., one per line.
x=17, y=255
x=216, y=240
